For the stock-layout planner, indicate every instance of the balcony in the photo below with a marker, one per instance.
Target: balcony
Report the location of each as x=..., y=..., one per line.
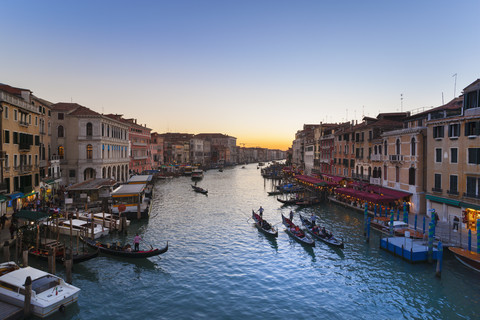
x=437, y=190
x=376, y=157
x=24, y=147
x=395, y=157
x=23, y=123
x=452, y=192
x=471, y=195
x=24, y=168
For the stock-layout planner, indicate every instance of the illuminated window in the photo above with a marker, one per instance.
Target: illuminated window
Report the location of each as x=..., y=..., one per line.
x=61, y=152
x=89, y=151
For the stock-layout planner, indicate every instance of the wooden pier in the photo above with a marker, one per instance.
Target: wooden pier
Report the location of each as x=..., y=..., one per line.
x=411, y=250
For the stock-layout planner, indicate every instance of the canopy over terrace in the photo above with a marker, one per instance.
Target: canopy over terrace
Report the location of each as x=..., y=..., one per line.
x=366, y=196
x=314, y=181
x=397, y=194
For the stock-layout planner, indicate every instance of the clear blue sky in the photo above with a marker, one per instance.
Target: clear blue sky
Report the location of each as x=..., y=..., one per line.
x=256, y=70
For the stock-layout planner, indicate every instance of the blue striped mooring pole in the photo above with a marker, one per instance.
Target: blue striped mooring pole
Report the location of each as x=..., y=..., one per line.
x=469, y=240
x=438, y=272
x=430, y=241
x=416, y=222
x=478, y=236
x=365, y=215
x=398, y=214
x=423, y=225
x=368, y=229
x=391, y=222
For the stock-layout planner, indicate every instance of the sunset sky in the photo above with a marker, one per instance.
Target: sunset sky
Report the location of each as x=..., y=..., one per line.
x=255, y=70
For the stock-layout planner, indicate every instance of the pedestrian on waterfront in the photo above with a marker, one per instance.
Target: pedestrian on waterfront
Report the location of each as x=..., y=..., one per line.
x=260, y=212
x=12, y=230
x=314, y=218
x=136, y=242
x=456, y=221
x=436, y=218
x=291, y=215
x=3, y=219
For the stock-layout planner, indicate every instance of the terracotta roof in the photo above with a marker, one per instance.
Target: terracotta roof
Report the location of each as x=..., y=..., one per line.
x=74, y=109
x=12, y=90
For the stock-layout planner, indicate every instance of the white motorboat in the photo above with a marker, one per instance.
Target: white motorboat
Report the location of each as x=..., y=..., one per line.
x=49, y=292
x=108, y=220
x=78, y=227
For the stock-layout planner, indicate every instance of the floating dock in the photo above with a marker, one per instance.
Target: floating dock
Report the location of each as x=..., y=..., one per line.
x=409, y=249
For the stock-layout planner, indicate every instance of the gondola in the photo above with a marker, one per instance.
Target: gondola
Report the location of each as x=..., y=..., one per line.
x=264, y=226
x=77, y=257
x=325, y=237
x=308, y=202
x=294, y=231
x=199, y=190
x=287, y=201
x=120, y=251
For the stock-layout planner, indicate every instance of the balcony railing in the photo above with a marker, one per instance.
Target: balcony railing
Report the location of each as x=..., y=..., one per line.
x=437, y=190
x=471, y=195
x=24, y=168
x=24, y=147
x=23, y=123
x=453, y=192
x=395, y=157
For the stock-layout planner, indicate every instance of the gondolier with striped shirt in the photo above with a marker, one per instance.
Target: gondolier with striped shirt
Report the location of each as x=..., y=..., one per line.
x=314, y=218
x=136, y=242
x=260, y=212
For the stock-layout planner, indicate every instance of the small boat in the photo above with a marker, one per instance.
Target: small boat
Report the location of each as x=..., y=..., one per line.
x=264, y=226
x=287, y=202
x=197, y=174
x=77, y=227
x=108, y=220
x=122, y=251
x=382, y=224
x=470, y=259
x=297, y=233
x=274, y=193
x=49, y=292
x=77, y=256
x=199, y=190
x=320, y=235
x=6, y=267
x=308, y=202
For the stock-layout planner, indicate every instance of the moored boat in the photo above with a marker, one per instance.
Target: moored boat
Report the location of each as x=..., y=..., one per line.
x=77, y=256
x=321, y=234
x=49, y=292
x=468, y=258
x=197, y=174
x=308, y=202
x=264, y=226
x=123, y=251
x=287, y=202
x=294, y=231
x=77, y=227
x=108, y=220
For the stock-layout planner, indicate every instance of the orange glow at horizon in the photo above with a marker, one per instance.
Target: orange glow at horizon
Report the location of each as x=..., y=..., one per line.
x=269, y=144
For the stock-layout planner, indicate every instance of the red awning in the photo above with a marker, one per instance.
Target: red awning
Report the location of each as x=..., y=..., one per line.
x=367, y=196
x=333, y=178
x=397, y=194
x=312, y=180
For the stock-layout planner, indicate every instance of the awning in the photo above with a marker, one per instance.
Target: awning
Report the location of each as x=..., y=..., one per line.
x=3, y=198
x=49, y=181
x=31, y=215
x=28, y=194
x=312, y=180
x=15, y=195
x=367, y=196
x=470, y=206
x=398, y=194
x=336, y=179
x=443, y=200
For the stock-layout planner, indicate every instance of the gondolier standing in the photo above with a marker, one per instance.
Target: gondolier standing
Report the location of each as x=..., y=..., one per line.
x=291, y=215
x=260, y=212
x=136, y=242
x=314, y=218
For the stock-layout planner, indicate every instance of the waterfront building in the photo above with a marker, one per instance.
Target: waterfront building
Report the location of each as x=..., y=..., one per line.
x=140, y=151
x=403, y=161
x=89, y=145
x=175, y=147
x=453, y=168
x=20, y=142
x=323, y=161
x=199, y=151
x=302, y=138
x=223, y=147
x=156, y=143
x=344, y=150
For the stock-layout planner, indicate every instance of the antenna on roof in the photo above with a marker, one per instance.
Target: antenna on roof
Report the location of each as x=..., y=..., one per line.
x=401, y=102
x=455, y=86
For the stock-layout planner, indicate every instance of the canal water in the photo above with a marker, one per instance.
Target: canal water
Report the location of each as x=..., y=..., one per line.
x=219, y=266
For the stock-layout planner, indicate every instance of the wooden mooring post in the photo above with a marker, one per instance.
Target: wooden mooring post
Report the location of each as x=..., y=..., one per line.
x=28, y=296
x=25, y=258
x=68, y=267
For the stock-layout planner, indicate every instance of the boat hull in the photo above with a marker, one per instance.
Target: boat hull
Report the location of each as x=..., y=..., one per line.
x=468, y=258
x=303, y=240
x=331, y=241
x=273, y=232
x=121, y=253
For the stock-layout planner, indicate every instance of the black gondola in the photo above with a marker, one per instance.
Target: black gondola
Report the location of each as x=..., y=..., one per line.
x=264, y=226
x=297, y=233
x=325, y=237
x=77, y=257
x=199, y=190
x=120, y=251
x=287, y=201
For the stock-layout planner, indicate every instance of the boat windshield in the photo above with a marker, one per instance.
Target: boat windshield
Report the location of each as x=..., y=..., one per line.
x=44, y=283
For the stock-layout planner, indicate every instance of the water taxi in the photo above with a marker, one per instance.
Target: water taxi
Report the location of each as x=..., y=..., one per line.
x=49, y=292
x=131, y=200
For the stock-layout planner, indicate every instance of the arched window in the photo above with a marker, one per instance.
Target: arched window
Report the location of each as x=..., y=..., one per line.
x=397, y=174
x=379, y=172
x=397, y=146
x=61, y=152
x=89, y=151
x=375, y=173
x=60, y=132
x=375, y=150
x=411, y=176
x=369, y=172
x=413, y=147
x=385, y=147
x=89, y=129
